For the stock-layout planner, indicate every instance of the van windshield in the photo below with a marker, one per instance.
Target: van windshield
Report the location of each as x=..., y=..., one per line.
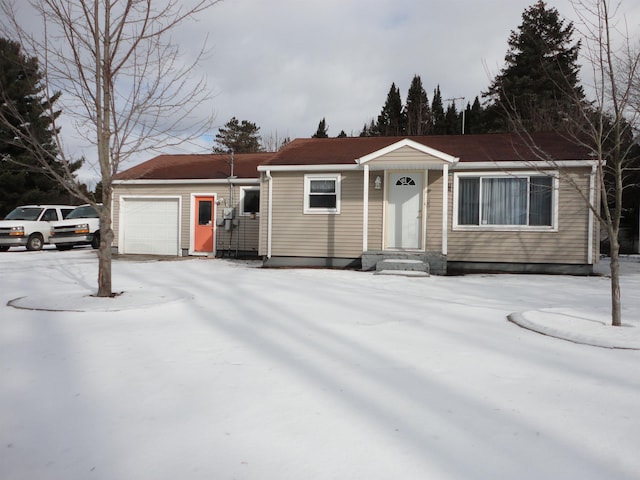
x=24, y=213
x=85, y=211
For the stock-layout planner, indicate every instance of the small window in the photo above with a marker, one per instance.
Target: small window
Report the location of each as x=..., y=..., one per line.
x=405, y=181
x=322, y=193
x=204, y=212
x=50, y=215
x=249, y=200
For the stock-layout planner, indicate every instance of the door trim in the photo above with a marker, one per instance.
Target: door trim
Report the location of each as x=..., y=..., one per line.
x=122, y=215
x=192, y=222
x=423, y=209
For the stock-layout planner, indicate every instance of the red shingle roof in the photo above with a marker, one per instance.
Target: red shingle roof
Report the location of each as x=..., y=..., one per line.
x=468, y=148
x=196, y=166
x=334, y=151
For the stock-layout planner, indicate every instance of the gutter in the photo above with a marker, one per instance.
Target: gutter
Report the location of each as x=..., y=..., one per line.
x=206, y=181
x=308, y=168
x=520, y=164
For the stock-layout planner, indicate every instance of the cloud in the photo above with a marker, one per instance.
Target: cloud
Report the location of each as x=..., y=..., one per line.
x=286, y=64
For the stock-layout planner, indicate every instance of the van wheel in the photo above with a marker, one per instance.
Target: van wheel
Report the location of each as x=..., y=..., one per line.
x=35, y=242
x=95, y=242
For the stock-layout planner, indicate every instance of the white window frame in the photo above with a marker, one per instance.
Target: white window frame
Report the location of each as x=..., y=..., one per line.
x=308, y=178
x=508, y=228
x=243, y=191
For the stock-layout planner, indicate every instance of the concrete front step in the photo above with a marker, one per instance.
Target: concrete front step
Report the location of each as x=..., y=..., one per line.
x=402, y=273
x=400, y=265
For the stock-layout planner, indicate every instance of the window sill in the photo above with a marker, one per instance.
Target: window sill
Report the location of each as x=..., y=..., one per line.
x=321, y=212
x=503, y=228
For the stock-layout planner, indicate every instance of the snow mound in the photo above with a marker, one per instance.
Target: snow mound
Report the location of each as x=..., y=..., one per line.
x=83, y=301
x=585, y=328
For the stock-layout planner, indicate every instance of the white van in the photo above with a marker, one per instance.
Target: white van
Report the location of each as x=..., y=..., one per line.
x=28, y=225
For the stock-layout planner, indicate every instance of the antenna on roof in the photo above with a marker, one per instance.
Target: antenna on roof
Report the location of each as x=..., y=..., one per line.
x=463, y=110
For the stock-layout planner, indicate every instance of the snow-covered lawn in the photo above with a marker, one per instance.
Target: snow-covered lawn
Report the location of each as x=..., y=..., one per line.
x=215, y=369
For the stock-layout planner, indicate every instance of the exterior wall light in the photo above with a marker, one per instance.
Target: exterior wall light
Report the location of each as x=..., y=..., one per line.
x=378, y=183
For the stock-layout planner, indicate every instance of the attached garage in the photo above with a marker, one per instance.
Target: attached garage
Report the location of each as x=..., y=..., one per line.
x=149, y=225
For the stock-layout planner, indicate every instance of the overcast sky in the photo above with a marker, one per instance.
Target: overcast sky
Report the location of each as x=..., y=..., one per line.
x=286, y=64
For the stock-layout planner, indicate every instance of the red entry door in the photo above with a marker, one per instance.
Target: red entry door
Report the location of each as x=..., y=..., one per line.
x=204, y=224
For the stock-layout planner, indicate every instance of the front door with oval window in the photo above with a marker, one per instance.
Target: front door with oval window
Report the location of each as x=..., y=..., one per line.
x=404, y=211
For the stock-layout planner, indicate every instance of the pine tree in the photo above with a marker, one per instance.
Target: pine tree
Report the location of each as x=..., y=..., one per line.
x=474, y=118
x=540, y=78
x=437, y=113
x=369, y=130
x=240, y=137
x=391, y=120
x=322, y=131
x=418, y=112
x=342, y=134
x=452, y=120
x=23, y=105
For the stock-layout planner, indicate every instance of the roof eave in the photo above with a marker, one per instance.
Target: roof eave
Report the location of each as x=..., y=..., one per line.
x=187, y=181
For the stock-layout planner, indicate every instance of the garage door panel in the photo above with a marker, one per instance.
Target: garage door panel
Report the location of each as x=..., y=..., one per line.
x=151, y=226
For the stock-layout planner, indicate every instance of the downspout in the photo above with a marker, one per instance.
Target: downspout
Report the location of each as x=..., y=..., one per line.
x=267, y=175
x=592, y=193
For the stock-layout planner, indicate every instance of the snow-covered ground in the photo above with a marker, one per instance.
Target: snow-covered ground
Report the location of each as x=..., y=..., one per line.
x=215, y=369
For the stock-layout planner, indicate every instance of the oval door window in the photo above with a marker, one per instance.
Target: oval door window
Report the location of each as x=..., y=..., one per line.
x=405, y=181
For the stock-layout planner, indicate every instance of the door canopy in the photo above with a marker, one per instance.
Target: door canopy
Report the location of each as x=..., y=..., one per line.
x=407, y=154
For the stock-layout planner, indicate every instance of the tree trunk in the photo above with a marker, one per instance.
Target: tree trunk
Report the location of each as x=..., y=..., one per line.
x=103, y=125
x=104, y=252
x=616, y=314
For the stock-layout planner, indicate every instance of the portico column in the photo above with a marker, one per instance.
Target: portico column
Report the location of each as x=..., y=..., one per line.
x=365, y=210
x=445, y=207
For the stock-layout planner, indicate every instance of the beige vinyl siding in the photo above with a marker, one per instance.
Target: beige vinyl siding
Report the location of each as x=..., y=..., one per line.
x=434, y=211
x=295, y=233
x=375, y=230
x=405, y=158
x=567, y=245
x=243, y=237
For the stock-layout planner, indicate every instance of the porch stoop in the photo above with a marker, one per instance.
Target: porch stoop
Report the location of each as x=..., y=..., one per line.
x=405, y=262
x=402, y=266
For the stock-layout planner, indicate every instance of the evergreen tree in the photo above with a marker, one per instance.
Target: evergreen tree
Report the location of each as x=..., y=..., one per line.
x=322, y=130
x=437, y=113
x=540, y=78
x=23, y=105
x=418, y=113
x=240, y=137
x=452, y=120
x=368, y=130
x=391, y=120
x=474, y=118
x=342, y=134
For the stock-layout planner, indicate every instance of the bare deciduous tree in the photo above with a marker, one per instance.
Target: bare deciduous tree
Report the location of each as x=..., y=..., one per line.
x=608, y=123
x=125, y=84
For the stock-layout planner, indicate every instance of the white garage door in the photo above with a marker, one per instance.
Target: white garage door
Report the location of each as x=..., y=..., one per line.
x=150, y=225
